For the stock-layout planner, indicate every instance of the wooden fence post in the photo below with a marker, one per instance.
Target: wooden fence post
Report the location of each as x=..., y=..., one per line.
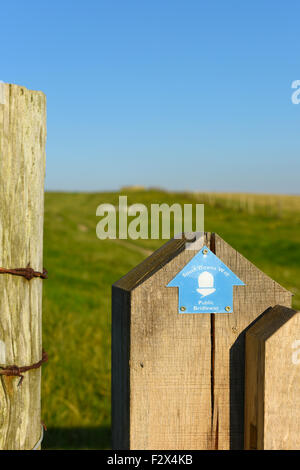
x=22, y=170
x=178, y=376
x=272, y=398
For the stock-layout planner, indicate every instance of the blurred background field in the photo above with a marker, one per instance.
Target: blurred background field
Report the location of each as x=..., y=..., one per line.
x=77, y=295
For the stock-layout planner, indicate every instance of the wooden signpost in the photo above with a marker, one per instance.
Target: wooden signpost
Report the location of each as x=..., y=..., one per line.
x=272, y=399
x=178, y=370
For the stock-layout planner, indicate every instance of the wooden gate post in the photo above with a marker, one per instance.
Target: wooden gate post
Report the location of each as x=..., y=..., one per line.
x=22, y=170
x=178, y=376
x=272, y=388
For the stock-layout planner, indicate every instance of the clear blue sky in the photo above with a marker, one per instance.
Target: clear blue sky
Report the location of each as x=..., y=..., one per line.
x=183, y=94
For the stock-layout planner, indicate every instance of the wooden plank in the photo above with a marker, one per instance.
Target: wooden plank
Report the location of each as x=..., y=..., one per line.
x=170, y=370
x=272, y=399
x=260, y=292
x=22, y=170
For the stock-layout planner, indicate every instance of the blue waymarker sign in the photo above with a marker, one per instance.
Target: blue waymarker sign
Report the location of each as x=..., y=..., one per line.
x=205, y=285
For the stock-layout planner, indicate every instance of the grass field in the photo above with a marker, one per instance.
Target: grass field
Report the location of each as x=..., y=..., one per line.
x=76, y=313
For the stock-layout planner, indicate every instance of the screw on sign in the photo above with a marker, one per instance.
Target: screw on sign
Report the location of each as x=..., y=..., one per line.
x=184, y=314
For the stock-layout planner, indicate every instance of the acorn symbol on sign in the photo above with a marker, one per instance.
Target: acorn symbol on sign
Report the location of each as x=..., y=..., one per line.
x=206, y=284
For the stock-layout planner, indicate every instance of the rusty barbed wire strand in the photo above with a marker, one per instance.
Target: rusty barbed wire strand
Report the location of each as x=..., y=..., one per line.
x=44, y=425
x=28, y=272
x=16, y=371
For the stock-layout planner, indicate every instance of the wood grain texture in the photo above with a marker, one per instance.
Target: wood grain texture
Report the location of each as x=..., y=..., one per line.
x=249, y=302
x=186, y=371
x=22, y=170
x=170, y=371
x=272, y=397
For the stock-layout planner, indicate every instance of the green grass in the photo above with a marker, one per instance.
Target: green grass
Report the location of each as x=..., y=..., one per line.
x=76, y=309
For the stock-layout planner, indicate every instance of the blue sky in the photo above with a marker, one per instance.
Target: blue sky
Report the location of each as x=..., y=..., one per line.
x=186, y=94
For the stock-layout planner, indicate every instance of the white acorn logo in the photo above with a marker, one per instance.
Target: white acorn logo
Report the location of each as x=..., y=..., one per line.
x=206, y=284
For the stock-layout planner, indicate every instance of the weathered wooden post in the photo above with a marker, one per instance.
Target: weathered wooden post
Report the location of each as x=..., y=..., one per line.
x=22, y=170
x=272, y=383
x=178, y=346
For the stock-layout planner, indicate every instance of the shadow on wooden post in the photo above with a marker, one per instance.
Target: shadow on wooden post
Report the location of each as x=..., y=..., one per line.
x=237, y=376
